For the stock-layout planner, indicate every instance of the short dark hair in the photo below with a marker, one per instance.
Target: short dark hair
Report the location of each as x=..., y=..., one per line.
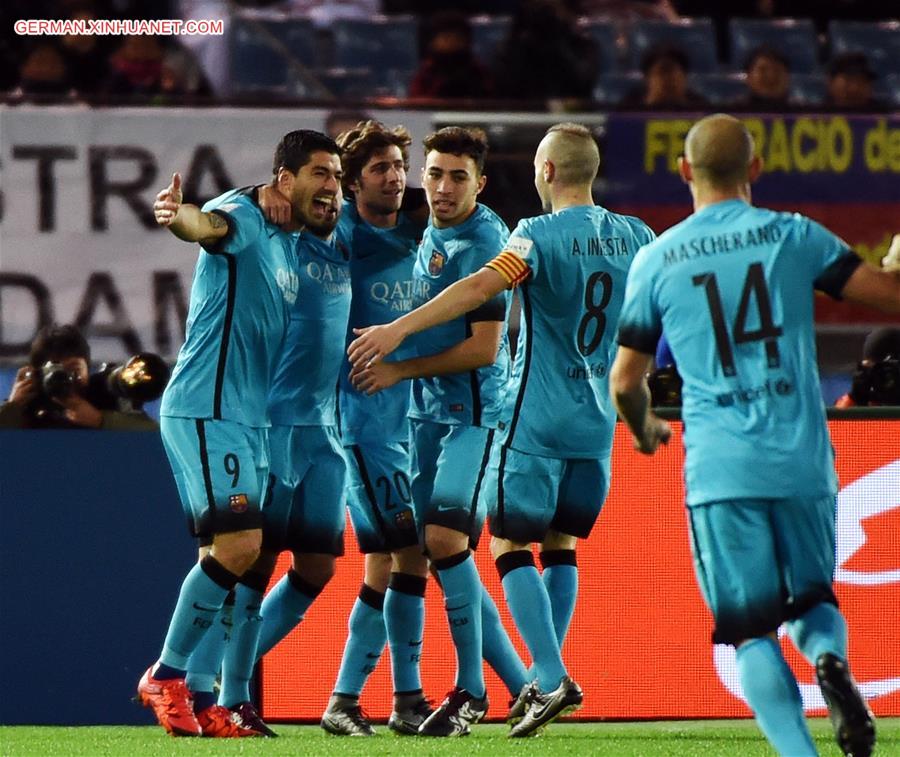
x=851, y=64
x=664, y=52
x=458, y=140
x=364, y=140
x=766, y=51
x=294, y=149
x=55, y=343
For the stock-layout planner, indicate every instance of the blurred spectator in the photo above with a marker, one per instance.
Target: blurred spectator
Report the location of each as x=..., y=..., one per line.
x=630, y=10
x=182, y=77
x=545, y=55
x=339, y=121
x=136, y=67
x=877, y=377
x=665, y=87
x=850, y=83
x=768, y=80
x=86, y=56
x=449, y=67
x=43, y=72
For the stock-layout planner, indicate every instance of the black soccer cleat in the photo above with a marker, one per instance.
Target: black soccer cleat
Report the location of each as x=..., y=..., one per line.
x=406, y=721
x=457, y=712
x=344, y=717
x=545, y=708
x=518, y=706
x=249, y=718
x=853, y=721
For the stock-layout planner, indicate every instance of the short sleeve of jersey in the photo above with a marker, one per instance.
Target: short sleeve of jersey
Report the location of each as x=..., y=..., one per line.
x=833, y=260
x=640, y=323
x=487, y=244
x=518, y=260
x=245, y=224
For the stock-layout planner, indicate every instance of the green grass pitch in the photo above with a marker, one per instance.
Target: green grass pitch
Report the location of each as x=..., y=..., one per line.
x=728, y=738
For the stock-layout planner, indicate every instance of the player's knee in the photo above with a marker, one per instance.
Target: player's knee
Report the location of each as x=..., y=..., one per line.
x=556, y=540
x=500, y=546
x=237, y=551
x=410, y=561
x=444, y=542
x=317, y=569
x=378, y=570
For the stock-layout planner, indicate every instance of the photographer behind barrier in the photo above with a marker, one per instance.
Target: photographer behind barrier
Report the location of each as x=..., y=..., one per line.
x=56, y=390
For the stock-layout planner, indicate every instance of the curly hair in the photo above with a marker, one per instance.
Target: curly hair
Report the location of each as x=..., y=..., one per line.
x=360, y=143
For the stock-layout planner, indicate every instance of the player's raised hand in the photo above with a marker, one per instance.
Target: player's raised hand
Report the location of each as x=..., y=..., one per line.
x=891, y=261
x=656, y=432
x=275, y=206
x=168, y=202
x=372, y=344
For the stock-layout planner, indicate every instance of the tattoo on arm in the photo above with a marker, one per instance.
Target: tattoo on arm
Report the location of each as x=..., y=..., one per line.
x=216, y=221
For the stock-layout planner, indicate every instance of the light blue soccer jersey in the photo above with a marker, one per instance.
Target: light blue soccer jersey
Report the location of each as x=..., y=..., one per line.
x=559, y=403
x=445, y=256
x=732, y=288
x=304, y=390
x=381, y=268
x=244, y=287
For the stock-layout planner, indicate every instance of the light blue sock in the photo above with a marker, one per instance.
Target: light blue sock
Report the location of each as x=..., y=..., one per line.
x=404, y=620
x=819, y=630
x=462, y=601
x=530, y=607
x=202, y=594
x=499, y=651
x=206, y=659
x=561, y=582
x=283, y=608
x=365, y=642
x=772, y=693
x=240, y=652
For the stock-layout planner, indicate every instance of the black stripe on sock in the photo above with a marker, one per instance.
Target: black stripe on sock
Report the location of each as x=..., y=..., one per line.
x=371, y=597
x=407, y=584
x=445, y=563
x=551, y=557
x=302, y=585
x=520, y=558
x=218, y=572
x=255, y=580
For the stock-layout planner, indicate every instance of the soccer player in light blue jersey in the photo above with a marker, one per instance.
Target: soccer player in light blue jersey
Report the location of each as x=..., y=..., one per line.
x=459, y=376
x=214, y=416
x=382, y=240
x=732, y=288
x=304, y=512
x=548, y=473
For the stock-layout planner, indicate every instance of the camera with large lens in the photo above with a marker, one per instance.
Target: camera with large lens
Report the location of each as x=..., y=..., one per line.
x=665, y=387
x=126, y=387
x=877, y=383
x=56, y=382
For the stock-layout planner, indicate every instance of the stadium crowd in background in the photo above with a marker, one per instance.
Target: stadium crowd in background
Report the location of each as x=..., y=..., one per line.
x=453, y=63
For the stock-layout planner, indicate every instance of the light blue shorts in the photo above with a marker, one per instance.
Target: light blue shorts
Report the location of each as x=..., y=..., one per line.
x=220, y=470
x=760, y=562
x=380, y=497
x=527, y=495
x=304, y=508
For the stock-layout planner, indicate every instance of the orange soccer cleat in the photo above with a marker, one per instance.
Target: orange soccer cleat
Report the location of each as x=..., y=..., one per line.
x=219, y=722
x=171, y=702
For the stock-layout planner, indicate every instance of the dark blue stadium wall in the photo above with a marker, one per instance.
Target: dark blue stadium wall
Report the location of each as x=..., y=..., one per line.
x=93, y=548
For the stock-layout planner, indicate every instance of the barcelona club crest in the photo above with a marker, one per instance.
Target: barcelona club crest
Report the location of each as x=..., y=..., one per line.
x=436, y=263
x=238, y=503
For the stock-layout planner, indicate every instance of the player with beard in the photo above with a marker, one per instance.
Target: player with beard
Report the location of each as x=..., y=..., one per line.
x=383, y=222
x=214, y=420
x=458, y=378
x=304, y=512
